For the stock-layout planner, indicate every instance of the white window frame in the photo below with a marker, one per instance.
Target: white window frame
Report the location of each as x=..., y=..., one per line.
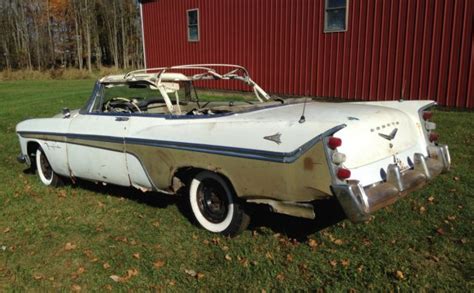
x=326, y=8
x=189, y=25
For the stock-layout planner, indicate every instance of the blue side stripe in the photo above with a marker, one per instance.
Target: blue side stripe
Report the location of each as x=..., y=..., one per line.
x=279, y=157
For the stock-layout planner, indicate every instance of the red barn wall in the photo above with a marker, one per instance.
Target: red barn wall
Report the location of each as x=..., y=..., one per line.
x=411, y=49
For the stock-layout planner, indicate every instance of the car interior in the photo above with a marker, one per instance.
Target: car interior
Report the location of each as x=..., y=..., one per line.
x=144, y=98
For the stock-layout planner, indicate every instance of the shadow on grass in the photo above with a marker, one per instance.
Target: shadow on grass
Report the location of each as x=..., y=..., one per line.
x=328, y=212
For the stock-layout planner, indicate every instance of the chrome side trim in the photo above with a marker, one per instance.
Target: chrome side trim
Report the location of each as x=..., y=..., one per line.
x=279, y=157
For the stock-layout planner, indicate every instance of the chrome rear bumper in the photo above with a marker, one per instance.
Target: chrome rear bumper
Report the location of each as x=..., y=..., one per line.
x=359, y=202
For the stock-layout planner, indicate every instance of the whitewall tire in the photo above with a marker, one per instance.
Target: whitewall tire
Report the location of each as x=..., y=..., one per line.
x=45, y=171
x=214, y=205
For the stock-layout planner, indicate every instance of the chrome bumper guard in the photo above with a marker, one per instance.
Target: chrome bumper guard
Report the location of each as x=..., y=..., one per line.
x=359, y=202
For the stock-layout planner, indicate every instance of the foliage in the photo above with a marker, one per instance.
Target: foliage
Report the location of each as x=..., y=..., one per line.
x=48, y=34
x=94, y=237
x=61, y=73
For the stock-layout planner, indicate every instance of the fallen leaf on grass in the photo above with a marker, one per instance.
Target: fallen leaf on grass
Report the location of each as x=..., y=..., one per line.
x=399, y=275
x=451, y=218
x=280, y=277
x=80, y=270
x=159, y=264
x=431, y=199
x=62, y=194
x=269, y=255
x=456, y=178
x=38, y=276
x=76, y=288
x=228, y=257
x=106, y=265
x=440, y=231
x=121, y=239
x=422, y=209
x=312, y=243
x=338, y=241
x=192, y=273
x=130, y=273
x=244, y=262
x=70, y=246
x=333, y=263
x=136, y=255
x=156, y=224
x=6, y=230
x=345, y=263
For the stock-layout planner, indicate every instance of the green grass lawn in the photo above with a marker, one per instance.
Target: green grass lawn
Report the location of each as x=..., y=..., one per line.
x=77, y=237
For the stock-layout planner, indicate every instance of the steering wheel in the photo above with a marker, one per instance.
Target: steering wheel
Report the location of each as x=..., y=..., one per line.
x=128, y=105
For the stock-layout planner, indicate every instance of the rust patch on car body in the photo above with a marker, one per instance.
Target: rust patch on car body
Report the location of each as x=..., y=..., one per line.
x=308, y=163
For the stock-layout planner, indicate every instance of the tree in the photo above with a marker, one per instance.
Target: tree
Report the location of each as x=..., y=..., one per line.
x=44, y=34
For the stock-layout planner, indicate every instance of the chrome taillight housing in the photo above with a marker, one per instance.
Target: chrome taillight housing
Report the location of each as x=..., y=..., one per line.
x=337, y=158
x=430, y=126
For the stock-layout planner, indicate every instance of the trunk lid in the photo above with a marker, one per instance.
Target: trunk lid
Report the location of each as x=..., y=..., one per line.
x=372, y=132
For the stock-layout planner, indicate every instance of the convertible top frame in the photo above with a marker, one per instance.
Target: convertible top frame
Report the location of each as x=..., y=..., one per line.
x=158, y=76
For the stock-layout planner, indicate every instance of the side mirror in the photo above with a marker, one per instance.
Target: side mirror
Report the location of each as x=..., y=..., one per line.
x=66, y=113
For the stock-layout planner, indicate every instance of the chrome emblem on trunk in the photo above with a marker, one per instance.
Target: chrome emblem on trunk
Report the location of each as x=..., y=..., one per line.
x=275, y=138
x=389, y=136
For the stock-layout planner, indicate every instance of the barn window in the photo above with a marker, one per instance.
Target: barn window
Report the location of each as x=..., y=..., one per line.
x=193, y=25
x=335, y=16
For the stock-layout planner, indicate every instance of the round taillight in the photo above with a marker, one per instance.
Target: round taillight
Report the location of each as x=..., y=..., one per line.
x=433, y=136
x=427, y=115
x=343, y=173
x=334, y=142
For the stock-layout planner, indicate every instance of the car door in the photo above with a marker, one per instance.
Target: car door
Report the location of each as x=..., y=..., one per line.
x=96, y=149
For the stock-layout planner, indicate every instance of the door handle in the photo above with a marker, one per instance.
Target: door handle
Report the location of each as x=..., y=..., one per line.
x=121, y=119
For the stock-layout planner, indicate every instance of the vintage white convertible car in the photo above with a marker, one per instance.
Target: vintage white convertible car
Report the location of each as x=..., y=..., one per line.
x=150, y=129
